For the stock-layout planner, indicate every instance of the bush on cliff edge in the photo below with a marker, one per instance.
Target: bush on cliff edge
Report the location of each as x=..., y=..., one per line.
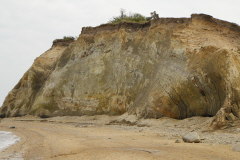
x=131, y=17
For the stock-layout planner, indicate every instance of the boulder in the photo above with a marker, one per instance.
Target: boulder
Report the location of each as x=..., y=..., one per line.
x=231, y=117
x=191, y=137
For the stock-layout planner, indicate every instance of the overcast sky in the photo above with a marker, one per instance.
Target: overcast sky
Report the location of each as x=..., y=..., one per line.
x=28, y=27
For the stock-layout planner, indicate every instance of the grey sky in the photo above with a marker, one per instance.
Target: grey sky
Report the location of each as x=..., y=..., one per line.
x=28, y=27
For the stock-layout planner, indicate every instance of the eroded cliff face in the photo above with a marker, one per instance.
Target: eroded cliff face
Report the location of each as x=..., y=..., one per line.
x=21, y=97
x=175, y=67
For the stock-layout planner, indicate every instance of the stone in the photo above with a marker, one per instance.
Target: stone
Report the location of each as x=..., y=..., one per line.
x=236, y=148
x=231, y=117
x=12, y=127
x=178, y=141
x=191, y=137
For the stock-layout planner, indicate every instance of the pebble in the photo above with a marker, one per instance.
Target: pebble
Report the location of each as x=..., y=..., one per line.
x=12, y=127
x=178, y=141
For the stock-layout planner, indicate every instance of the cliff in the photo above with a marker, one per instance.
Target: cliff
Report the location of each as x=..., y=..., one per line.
x=175, y=67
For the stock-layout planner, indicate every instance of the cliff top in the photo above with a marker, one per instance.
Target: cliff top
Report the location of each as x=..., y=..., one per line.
x=137, y=26
x=65, y=41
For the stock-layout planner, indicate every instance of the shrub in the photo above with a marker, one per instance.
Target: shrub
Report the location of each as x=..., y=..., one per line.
x=67, y=38
x=132, y=17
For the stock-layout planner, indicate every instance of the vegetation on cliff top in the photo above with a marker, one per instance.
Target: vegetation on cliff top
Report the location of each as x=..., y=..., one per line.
x=68, y=38
x=65, y=41
x=131, y=18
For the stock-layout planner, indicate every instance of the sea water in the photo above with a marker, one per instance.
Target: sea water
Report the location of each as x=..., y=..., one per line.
x=7, y=139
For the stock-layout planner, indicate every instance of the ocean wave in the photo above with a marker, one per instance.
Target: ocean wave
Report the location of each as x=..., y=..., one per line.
x=7, y=139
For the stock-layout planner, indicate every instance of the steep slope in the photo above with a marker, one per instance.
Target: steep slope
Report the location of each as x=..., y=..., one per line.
x=175, y=67
x=19, y=100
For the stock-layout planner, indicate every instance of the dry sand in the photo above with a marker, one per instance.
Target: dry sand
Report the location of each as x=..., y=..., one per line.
x=90, y=138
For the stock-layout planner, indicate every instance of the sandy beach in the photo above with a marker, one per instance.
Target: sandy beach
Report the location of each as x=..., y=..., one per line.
x=96, y=138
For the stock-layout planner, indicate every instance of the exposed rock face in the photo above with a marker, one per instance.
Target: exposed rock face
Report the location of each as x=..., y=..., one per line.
x=20, y=99
x=175, y=67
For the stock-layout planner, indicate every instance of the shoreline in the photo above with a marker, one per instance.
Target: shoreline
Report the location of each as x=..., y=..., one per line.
x=12, y=151
x=8, y=139
x=80, y=137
